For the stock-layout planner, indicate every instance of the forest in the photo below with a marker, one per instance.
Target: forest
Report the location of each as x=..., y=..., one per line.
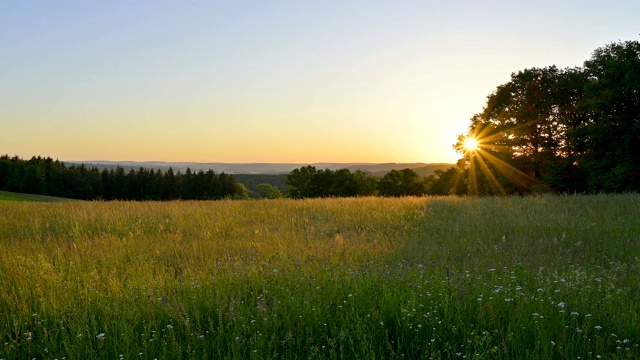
x=45, y=176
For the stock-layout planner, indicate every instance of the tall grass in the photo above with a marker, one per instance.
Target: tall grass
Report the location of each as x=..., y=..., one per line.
x=535, y=277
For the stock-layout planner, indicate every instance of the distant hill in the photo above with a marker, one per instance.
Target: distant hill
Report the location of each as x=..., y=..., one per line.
x=262, y=168
x=422, y=169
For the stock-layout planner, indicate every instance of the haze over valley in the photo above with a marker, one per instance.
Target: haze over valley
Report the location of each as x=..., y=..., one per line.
x=263, y=168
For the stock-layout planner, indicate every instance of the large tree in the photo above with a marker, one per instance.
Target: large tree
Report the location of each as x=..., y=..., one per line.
x=569, y=130
x=522, y=131
x=610, y=141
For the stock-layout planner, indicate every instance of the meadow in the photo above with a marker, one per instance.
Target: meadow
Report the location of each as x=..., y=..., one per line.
x=545, y=277
x=11, y=197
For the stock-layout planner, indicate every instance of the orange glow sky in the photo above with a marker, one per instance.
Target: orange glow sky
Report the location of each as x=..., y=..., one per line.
x=281, y=81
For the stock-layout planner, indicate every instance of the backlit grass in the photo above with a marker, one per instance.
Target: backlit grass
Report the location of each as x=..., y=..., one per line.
x=537, y=277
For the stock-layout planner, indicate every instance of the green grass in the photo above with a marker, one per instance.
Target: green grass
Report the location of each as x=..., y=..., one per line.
x=11, y=197
x=488, y=278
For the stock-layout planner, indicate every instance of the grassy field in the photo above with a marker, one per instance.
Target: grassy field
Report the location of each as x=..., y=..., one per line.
x=11, y=197
x=443, y=278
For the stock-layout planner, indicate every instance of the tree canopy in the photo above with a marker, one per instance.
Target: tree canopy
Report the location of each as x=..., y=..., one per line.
x=309, y=182
x=560, y=130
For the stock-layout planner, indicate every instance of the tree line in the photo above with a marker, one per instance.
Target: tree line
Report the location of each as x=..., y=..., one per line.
x=558, y=130
x=45, y=176
x=309, y=182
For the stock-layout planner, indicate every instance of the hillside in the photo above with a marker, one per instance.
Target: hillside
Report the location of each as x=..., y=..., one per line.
x=11, y=197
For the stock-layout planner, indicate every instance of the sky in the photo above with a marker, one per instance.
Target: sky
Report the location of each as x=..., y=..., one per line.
x=274, y=81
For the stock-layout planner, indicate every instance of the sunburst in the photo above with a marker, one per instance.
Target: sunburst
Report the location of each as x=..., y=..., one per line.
x=481, y=162
x=470, y=144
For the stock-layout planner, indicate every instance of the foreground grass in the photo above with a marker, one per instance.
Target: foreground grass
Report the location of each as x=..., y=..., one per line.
x=493, y=278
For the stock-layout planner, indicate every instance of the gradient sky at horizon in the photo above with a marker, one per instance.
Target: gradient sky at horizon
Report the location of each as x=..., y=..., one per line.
x=274, y=81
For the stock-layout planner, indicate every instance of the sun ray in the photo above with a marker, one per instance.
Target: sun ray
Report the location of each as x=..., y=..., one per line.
x=495, y=184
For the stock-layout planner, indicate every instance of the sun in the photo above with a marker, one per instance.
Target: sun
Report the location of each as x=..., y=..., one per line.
x=470, y=144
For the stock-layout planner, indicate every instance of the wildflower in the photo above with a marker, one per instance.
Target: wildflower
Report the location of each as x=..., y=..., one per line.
x=553, y=343
x=561, y=304
x=382, y=323
x=100, y=336
x=574, y=313
x=598, y=327
x=169, y=326
x=275, y=271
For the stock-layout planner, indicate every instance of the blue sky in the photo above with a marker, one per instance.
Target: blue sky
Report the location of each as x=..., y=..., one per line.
x=281, y=81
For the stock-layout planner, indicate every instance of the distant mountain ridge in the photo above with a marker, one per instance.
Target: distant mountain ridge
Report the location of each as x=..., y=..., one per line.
x=377, y=169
